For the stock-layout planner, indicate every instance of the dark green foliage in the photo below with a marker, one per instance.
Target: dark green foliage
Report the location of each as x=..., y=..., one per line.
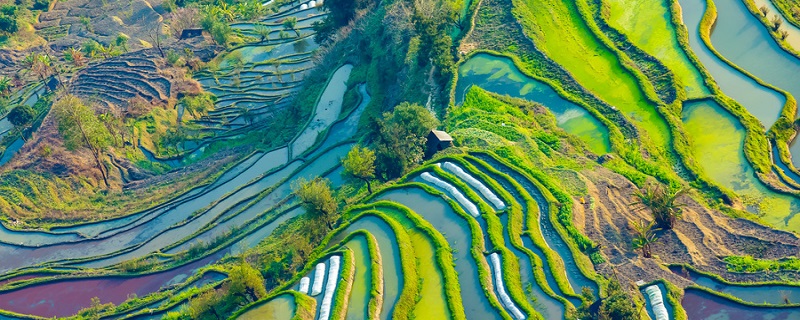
x=662, y=203
x=91, y=47
x=21, y=116
x=41, y=5
x=340, y=13
x=401, y=138
x=617, y=306
x=8, y=19
x=317, y=198
x=247, y=284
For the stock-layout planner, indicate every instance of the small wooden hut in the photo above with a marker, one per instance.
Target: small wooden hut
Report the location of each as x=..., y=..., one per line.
x=437, y=141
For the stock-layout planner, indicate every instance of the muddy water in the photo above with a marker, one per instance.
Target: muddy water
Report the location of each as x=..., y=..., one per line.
x=500, y=75
x=700, y=305
x=66, y=297
x=439, y=214
x=766, y=294
x=764, y=103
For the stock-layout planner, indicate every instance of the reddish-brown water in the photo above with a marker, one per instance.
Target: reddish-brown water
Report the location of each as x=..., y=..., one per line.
x=66, y=297
x=701, y=305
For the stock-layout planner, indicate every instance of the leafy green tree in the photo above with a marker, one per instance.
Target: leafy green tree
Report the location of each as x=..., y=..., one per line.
x=643, y=237
x=250, y=9
x=776, y=22
x=618, y=305
x=75, y=56
x=291, y=24
x=263, y=31
x=317, y=198
x=80, y=128
x=221, y=32
x=663, y=205
x=43, y=5
x=204, y=306
x=21, y=117
x=91, y=48
x=246, y=284
x=8, y=19
x=360, y=164
x=401, y=138
x=198, y=105
x=121, y=41
x=5, y=85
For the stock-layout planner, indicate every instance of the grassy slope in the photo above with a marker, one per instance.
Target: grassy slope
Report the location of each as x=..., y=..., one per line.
x=647, y=24
x=558, y=30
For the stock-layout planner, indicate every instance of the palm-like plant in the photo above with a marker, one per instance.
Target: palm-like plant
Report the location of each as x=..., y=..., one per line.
x=75, y=56
x=776, y=22
x=5, y=85
x=263, y=31
x=663, y=205
x=643, y=237
x=30, y=62
x=291, y=24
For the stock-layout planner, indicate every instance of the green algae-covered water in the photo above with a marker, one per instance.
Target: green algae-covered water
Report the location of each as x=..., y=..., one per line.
x=648, y=25
x=717, y=143
x=500, y=75
x=280, y=307
x=359, y=294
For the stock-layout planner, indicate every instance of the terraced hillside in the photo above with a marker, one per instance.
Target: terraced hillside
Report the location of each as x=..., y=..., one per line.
x=119, y=80
x=596, y=159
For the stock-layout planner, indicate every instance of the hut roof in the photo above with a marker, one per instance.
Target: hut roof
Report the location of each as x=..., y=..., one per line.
x=441, y=135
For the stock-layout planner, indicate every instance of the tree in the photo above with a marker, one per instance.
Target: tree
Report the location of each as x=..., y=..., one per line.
x=156, y=37
x=80, y=128
x=617, y=305
x=8, y=19
x=764, y=10
x=91, y=48
x=291, y=24
x=198, y=105
x=246, y=283
x=317, y=198
x=221, y=32
x=5, y=85
x=401, y=138
x=75, y=56
x=263, y=31
x=21, y=117
x=204, y=306
x=662, y=203
x=776, y=22
x=121, y=41
x=250, y=10
x=643, y=237
x=360, y=164
x=784, y=34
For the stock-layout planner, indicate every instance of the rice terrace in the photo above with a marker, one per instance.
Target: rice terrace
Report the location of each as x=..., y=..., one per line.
x=400, y=159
